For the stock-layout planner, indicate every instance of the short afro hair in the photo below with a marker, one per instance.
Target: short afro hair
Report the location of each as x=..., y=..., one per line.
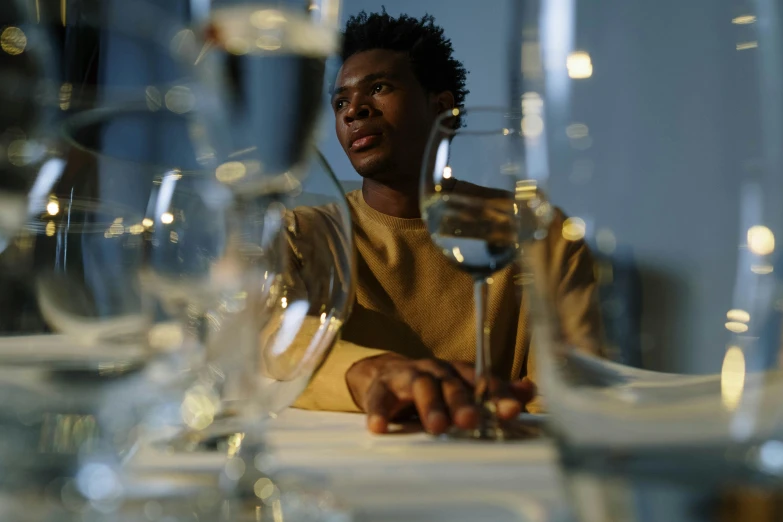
x=431, y=53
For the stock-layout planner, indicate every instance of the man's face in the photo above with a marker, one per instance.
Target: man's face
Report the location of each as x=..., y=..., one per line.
x=383, y=115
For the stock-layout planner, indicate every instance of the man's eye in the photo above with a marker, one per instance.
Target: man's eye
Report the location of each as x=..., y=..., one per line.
x=378, y=87
x=339, y=104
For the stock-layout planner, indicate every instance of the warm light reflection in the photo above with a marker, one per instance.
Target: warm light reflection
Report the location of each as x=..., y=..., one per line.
x=579, y=65
x=136, y=229
x=23, y=152
x=267, y=19
x=167, y=218
x=264, y=488
x=237, y=46
x=147, y=222
x=446, y=172
x=231, y=172
x=66, y=90
x=457, y=255
x=53, y=207
x=284, y=302
x=762, y=269
x=269, y=42
x=323, y=318
x=115, y=229
x=761, y=240
x=532, y=126
x=198, y=408
x=13, y=40
x=532, y=103
x=455, y=112
x=743, y=20
x=732, y=378
x=577, y=131
x=179, y=99
x=574, y=229
x=743, y=46
x=50, y=228
x=738, y=315
x=736, y=327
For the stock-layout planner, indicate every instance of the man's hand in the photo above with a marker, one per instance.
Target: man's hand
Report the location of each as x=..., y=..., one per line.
x=441, y=392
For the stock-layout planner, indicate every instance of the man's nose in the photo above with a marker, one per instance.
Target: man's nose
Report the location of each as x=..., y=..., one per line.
x=360, y=109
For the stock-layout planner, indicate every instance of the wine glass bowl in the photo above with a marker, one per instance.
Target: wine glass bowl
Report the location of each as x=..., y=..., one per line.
x=313, y=293
x=268, y=125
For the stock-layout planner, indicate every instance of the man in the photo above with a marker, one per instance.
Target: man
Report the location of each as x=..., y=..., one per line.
x=409, y=343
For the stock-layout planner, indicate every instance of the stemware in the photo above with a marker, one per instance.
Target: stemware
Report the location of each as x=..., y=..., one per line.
x=76, y=356
x=258, y=294
x=267, y=288
x=25, y=69
x=468, y=201
x=663, y=153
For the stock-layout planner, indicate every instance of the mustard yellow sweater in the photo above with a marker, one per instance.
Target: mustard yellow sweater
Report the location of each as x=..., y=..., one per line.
x=411, y=300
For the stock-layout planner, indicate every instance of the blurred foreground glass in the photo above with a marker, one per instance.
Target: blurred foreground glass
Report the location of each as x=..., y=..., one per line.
x=25, y=68
x=266, y=290
x=74, y=341
x=657, y=128
x=58, y=58
x=268, y=61
x=300, y=281
x=469, y=179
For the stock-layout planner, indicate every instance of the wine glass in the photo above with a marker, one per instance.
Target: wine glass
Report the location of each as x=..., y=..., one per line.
x=313, y=294
x=304, y=283
x=25, y=69
x=265, y=291
x=668, y=169
x=74, y=341
x=469, y=177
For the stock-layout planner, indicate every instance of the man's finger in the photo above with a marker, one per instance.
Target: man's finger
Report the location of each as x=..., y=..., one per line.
x=429, y=403
x=459, y=399
x=524, y=390
x=466, y=371
x=382, y=405
x=505, y=400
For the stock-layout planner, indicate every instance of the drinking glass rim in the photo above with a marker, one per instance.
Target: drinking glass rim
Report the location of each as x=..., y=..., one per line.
x=90, y=117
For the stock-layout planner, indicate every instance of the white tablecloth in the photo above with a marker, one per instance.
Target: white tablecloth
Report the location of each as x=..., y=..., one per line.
x=406, y=476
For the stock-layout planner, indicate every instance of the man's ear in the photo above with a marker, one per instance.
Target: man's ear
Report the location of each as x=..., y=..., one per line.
x=443, y=101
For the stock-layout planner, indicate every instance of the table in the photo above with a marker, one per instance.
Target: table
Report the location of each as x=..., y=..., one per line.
x=410, y=476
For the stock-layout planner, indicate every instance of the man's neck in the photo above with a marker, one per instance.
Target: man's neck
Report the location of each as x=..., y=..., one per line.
x=400, y=202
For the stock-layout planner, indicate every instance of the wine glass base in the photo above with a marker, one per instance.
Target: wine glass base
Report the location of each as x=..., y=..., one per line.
x=496, y=430
x=192, y=441
x=294, y=502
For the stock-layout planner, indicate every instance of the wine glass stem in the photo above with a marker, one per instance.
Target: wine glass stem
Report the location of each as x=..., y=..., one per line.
x=483, y=359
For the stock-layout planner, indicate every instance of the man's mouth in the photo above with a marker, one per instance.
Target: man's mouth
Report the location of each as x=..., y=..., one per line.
x=365, y=142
